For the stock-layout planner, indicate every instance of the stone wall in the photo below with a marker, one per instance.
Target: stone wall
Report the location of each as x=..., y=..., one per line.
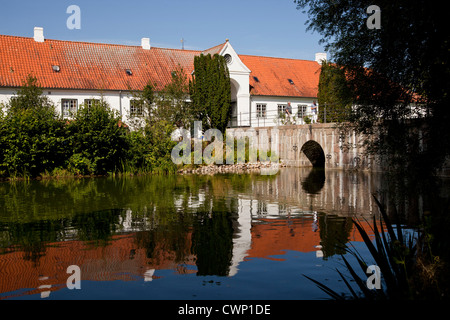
x=339, y=151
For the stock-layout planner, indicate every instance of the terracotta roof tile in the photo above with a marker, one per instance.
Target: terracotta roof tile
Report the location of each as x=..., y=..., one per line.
x=86, y=65
x=273, y=76
x=214, y=50
x=96, y=66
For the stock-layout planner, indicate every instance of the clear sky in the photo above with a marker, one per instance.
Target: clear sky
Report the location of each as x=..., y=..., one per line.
x=255, y=27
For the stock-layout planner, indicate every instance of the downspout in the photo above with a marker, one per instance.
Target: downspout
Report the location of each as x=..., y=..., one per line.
x=120, y=102
x=250, y=110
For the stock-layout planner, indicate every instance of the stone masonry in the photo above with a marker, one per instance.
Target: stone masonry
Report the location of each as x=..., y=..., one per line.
x=318, y=144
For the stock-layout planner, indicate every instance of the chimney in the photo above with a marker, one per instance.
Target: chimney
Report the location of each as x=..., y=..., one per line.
x=321, y=56
x=38, y=34
x=145, y=43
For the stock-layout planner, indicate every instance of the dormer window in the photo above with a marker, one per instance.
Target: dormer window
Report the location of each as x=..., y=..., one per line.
x=290, y=81
x=256, y=79
x=129, y=72
x=56, y=68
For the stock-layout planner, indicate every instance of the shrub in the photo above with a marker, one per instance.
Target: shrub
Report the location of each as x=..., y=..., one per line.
x=96, y=133
x=161, y=145
x=136, y=160
x=32, y=137
x=80, y=164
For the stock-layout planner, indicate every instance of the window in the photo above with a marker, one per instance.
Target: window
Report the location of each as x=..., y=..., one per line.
x=136, y=108
x=68, y=107
x=281, y=110
x=88, y=103
x=260, y=110
x=302, y=109
x=261, y=208
x=228, y=58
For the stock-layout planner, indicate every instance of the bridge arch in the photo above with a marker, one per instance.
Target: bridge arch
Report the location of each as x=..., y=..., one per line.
x=314, y=152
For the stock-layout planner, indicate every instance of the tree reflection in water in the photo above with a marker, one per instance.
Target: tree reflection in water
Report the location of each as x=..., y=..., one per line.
x=192, y=224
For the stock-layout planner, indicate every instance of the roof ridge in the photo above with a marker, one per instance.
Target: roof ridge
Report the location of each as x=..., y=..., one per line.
x=215, y=47
x=270, y=57
x=177, y=49
x=92, y=65
x=98, y=43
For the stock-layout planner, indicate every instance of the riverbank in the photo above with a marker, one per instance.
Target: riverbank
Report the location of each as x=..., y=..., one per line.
x=201, y=169
x=231, y=168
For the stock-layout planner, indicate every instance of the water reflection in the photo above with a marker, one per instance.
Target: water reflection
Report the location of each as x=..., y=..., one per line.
x=133, y=228
x=315, y=181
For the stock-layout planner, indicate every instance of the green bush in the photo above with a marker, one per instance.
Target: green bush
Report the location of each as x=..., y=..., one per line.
x=36, y=141
x=149, y=149
x=136, y=160
x=161, y=145
x=32, y=137
x=80, y=165
x=96, y=133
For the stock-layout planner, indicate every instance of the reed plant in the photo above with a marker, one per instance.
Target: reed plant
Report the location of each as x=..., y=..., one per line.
x=393, y=250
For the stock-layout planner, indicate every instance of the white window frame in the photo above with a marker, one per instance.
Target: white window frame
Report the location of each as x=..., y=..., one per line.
x=88, y=102
x=261, y=110
x=69, y=107
x=301, y=114
x=136, y=111
x=281, y=110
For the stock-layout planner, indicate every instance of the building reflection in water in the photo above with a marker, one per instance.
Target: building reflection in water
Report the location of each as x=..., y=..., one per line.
x=299, y=210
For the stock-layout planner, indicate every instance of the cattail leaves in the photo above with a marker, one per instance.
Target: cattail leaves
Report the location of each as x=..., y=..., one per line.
x=394, y=254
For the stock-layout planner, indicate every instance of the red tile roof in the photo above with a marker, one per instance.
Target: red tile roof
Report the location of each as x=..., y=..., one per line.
x=214, y=50
x=273, y=76
x=96, y=66
x=87, y=65
x=97, y=263
x=275, y=237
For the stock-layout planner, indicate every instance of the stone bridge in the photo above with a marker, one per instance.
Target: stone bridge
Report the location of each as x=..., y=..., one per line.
x=317, y=145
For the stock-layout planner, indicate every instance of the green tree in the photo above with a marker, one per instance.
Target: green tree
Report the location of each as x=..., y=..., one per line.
x=150, y=144
x=159, y=138
x=32, y=137
x=399, y=79
x=210, y=91
x=334, y=96
x=172, y=102
x=389, y=69
x=97, y=140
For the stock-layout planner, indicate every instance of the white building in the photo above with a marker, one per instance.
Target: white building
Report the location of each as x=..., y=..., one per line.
x=74, y=73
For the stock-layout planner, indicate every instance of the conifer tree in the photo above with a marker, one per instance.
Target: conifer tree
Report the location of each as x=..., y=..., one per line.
x=210, y=91
x=334, y=95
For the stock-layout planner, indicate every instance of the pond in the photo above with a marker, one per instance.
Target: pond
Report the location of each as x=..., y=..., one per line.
x=223, y=236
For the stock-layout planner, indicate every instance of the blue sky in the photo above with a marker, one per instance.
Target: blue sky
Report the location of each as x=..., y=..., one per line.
x=256, y=27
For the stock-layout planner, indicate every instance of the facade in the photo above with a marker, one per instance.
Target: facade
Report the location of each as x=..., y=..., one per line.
x=266, y=91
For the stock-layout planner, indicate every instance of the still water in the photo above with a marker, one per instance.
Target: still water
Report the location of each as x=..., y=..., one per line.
x=226, y=236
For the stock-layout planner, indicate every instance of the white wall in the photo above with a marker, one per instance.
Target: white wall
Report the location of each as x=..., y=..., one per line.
x=239, y=75
x=117, y=100
x=246, y=113
x=272, y=103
